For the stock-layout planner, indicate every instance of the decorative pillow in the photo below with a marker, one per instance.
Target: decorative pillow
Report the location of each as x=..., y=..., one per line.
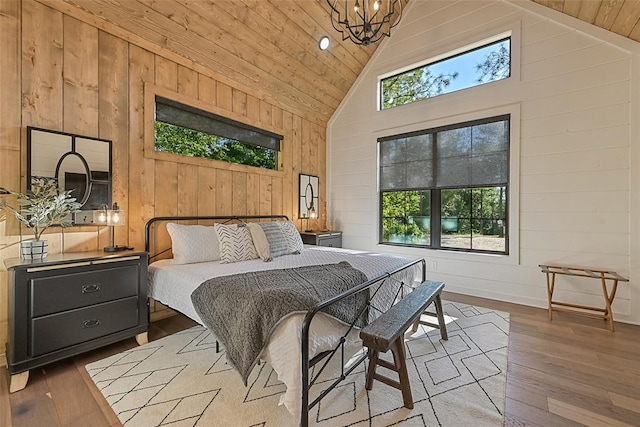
x=193, y=243
x=235, y=243
x=291, y=234
x=268, y=239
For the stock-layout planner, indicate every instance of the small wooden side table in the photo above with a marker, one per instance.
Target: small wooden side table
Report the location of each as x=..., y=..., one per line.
x=604, y=276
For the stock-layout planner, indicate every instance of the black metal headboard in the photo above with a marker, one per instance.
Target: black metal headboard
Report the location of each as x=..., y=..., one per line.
x=223, y=219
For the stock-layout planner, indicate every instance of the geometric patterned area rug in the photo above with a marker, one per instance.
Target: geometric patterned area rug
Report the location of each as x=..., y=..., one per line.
x=180, y=380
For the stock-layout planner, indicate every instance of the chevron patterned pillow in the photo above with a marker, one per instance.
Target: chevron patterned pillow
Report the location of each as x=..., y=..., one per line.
x=235, y=243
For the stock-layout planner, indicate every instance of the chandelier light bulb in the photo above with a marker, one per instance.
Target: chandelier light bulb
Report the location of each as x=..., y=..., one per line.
x=376, y=5
x=356, y=7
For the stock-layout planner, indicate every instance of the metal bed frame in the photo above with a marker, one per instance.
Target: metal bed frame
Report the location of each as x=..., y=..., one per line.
x=322, y=359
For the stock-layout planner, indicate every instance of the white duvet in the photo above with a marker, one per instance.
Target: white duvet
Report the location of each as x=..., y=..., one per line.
x=172, y=285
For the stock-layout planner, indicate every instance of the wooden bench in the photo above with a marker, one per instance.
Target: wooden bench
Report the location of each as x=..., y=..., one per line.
x=387, y=333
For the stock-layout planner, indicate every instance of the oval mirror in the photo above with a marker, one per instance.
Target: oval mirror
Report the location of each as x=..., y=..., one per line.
x=308, y=196
x=70, y=166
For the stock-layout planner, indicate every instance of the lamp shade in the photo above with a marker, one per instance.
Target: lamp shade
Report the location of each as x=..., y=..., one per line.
x=110, y=217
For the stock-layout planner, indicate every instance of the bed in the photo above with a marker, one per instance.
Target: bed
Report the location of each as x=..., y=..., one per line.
x=302, y=339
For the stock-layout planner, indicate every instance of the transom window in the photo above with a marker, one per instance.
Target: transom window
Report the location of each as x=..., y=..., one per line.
x=189, y=131
x=475, y=65
x=447, y=187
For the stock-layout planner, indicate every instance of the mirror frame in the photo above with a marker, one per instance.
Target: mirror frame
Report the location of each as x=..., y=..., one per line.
x=85, y=215
x=309, y=185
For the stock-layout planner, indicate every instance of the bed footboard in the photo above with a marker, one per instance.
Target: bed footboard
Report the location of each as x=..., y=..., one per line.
x=372, y=287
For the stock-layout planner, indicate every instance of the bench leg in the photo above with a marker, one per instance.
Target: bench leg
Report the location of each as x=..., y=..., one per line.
x=439, y=312
x=416, y=323
x=401, y=364
x=373, y=362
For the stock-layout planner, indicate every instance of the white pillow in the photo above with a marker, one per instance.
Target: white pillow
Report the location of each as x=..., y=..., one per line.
x=235, y=243
x=193, y=243
x=291, y=234
x=268, y=239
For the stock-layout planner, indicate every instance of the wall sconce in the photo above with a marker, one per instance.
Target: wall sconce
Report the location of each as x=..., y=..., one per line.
x=309, y=201
x=111, y=218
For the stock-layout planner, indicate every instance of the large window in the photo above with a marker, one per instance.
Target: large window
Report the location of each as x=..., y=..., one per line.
x=188, y=131
x=474, y=66
x=447, y=187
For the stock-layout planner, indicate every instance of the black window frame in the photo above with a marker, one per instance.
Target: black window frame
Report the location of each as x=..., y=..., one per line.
x=435, y=237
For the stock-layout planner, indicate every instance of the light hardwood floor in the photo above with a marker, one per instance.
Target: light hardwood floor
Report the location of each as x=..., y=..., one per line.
x=568, y=372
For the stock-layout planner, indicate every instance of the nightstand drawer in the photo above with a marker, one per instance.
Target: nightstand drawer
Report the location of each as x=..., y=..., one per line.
x=327, y=238
x=334, y=242
x=50, y=333
x=63, y=292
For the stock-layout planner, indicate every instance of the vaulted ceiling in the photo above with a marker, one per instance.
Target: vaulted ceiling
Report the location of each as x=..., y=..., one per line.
x=270, y=47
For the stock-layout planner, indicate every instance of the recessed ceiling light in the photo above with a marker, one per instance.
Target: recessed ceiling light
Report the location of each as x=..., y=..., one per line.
x=324, y=43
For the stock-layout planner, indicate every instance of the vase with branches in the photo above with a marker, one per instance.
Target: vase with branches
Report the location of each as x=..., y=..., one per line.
x=39, y=208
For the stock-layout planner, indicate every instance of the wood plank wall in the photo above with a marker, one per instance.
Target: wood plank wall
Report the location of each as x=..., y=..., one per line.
x=63, y=74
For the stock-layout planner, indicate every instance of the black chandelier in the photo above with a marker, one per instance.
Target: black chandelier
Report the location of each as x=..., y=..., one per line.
x=365, y=21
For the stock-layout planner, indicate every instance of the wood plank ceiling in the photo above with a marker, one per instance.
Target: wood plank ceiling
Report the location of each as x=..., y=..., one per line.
x=269, y=47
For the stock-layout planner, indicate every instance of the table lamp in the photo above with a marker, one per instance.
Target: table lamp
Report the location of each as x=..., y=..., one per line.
x=113, y=217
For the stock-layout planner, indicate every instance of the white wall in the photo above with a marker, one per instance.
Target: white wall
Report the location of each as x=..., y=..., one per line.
x=574, y=98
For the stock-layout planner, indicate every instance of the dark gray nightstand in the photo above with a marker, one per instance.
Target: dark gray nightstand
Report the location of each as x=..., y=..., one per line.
x=71, y=303
x=331, y=238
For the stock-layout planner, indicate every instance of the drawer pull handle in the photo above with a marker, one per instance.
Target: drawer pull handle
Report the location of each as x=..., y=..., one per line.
x=91, y=323
x=88, y=289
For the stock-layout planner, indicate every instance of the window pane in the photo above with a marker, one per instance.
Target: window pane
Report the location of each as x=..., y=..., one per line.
x=474, y=219
x=419, y=147
x=392, y=152
x=490, y=137
x=492, y=237
x=474, y=67
x=406, y=163
x=454, y=171
x=455, y=233
x=192, y=143
x=473, y=155
x=188, y=131
x=392, y=177
x=489, y=169
x=455, y=142
x=405, y=217
x=419, y=175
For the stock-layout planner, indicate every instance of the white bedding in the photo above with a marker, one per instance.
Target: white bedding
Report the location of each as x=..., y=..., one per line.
x=172, y=285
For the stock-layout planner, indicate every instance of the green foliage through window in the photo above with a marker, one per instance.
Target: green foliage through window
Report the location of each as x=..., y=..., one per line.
x=405, y=217
x=189, y=131
x=188, y=142
x=473, y=67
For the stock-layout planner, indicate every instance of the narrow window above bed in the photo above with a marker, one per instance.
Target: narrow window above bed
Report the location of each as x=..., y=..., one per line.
x=189, y=131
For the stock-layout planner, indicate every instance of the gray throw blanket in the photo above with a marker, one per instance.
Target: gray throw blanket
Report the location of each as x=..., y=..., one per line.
x=243, y=309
